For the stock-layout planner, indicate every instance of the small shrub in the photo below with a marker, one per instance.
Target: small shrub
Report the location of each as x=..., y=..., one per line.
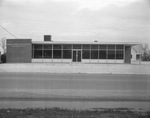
x=3, y=58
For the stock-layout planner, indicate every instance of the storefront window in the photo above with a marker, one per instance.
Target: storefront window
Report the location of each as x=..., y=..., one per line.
x=37, y=53
x=89, y=51
x=94, y=54
x=67, y=54
x=38, y=46
x=57, y=47
x=102, y=47
x=57, y=54
x=111, y=46
x=94, y=46
x=67, y=47
x=76, y=46
x=102, y=54
x=86, y=46
x=119, y=46
x=111, y=54
x=47, y=47
x=119, y=54
x=37, y=50
x=47, y=53
x=86, y=54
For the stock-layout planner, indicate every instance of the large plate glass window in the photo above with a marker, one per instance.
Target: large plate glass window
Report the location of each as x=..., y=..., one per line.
x=85, y=54
x=77, y=46
x=94, y=54
x=67, y=54
x=57, y=51
x=87, y=47
x=47, y=52
x=94, y=47
x=102, y=54
x=119, y=54
x=57, y=54
x=111, y=54
x=37, y=51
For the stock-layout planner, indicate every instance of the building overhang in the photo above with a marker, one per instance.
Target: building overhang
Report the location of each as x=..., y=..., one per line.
x=76, y=42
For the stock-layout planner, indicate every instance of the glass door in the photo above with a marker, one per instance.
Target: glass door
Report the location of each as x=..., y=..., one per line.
x=76, y=56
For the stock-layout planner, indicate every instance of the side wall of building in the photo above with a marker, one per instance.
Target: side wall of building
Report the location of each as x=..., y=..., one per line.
x=19, y=50
x=133, y=53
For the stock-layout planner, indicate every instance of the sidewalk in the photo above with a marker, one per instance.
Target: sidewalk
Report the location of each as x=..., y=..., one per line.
x=77, y=68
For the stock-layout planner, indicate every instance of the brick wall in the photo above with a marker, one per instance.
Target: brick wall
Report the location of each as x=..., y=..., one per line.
x=19, y=50
x=128, y=54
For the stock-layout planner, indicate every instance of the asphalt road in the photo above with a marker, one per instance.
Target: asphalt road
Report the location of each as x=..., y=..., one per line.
x=80, y=91
x=74, y=81
x=123, y=84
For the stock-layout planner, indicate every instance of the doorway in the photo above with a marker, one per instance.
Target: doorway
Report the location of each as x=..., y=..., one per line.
x=76, y=57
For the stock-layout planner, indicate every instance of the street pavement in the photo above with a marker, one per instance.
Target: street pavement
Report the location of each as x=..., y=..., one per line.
x=74, y=85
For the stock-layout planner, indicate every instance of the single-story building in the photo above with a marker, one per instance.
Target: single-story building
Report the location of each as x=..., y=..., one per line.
x=27, y=51
x=136, y=53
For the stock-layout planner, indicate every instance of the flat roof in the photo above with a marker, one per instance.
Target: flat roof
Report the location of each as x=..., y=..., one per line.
x=85, y=42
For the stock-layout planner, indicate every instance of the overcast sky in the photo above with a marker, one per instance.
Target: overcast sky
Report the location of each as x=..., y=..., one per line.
x=86, y=20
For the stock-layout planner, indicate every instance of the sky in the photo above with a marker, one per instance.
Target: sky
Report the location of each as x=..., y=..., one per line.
x=77, y=20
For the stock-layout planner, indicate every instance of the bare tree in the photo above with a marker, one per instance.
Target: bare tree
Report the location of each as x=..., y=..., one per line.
x=3, y=44
x=146, y=48
x=146, y=54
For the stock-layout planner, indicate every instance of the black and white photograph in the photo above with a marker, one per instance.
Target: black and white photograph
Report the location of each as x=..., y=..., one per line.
x=74, y=58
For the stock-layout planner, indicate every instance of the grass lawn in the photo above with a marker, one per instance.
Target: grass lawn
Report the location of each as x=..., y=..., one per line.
x=66, y=113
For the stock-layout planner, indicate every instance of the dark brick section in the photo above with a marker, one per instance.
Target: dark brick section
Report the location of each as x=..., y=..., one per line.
x=128, y=54
x=19, y=50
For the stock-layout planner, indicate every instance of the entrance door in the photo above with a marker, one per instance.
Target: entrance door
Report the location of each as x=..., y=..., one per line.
x=76, y=56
